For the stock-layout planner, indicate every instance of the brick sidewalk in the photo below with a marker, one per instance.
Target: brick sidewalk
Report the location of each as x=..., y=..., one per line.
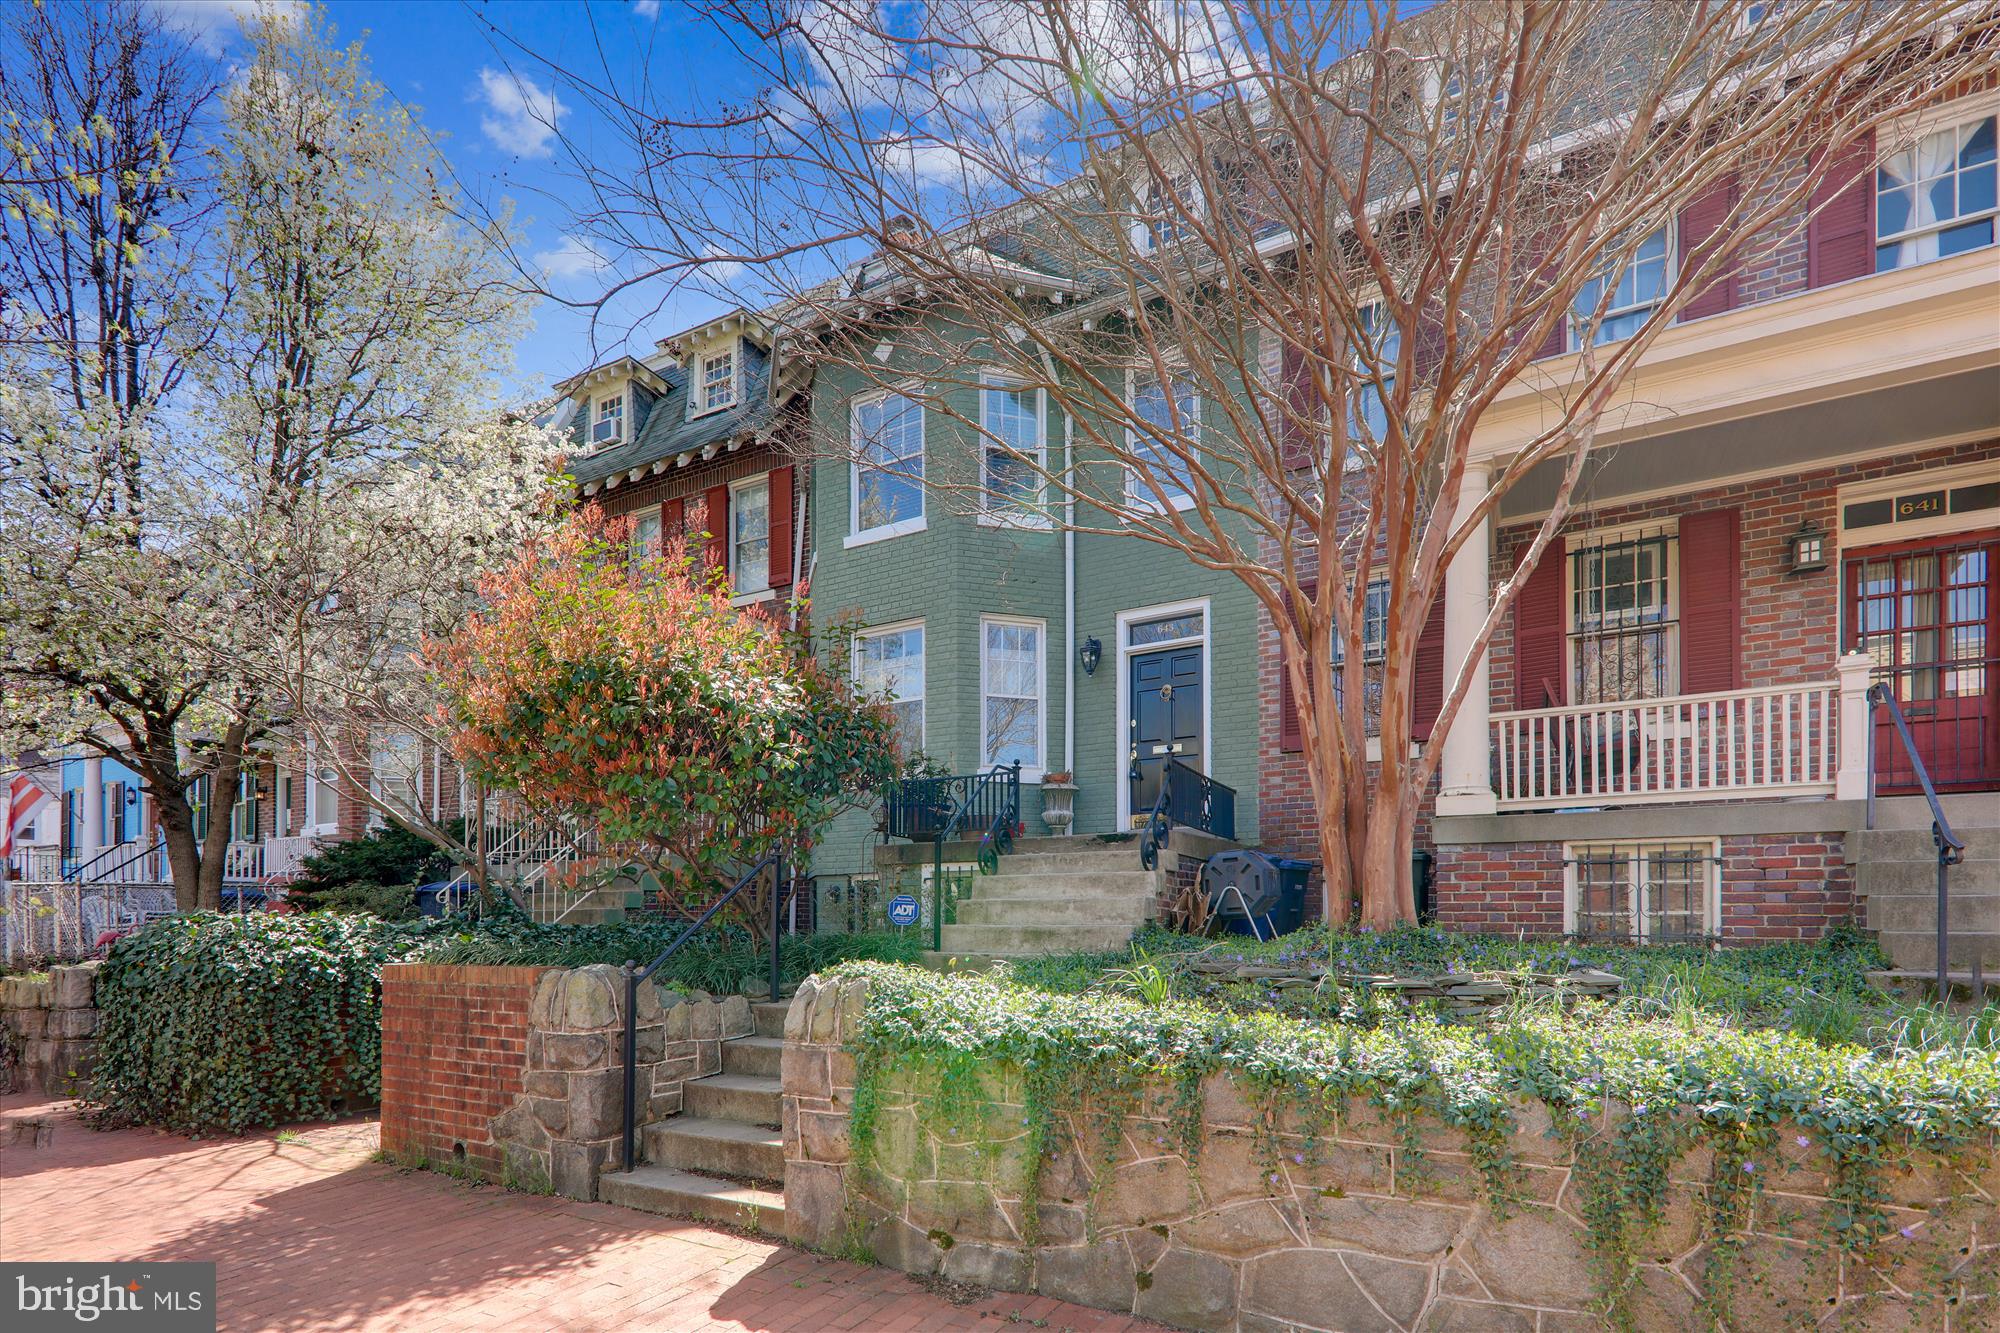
x=309, y=1233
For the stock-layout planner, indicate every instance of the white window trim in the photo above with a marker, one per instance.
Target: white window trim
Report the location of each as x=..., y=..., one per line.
x=1710, y=848
x=1146, y=221
x=1888, y=488
x=243, y=777
x=281, y=810
x=1003, y=518
x=1120, y=755
x=624, y=397
x=1904, y=133
x=308, y=827
x=1668, y=527
x=1135, y=496
x=1030, y=772
x=698, y=383
x=1575, y=330
x=856, y=534
x=1380, y=652
x=736, y=488
x=922, y=700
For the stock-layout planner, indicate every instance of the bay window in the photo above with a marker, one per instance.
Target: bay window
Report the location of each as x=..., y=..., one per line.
x=1010, y=692
x=1013, y=453
x=889, y=665
x=1170, y=414
x=887, y=444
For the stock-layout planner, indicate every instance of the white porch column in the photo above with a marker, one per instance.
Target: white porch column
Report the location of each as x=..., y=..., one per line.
x=93, y=807
x=1465, y=774
x=1850, y=780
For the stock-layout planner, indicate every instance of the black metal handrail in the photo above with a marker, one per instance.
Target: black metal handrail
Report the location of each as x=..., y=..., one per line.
x=124, y=852
x=634, y=975
x=992, y=804
x=1950, y=847
x=1190, y=798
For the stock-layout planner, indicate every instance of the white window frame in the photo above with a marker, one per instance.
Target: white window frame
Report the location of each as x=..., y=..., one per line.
x=1379, y=648
x=597, y=404
x=1152, y=218
x=383, y=744
x=281, y=810
x=1031, y=770
x=1668, y=528
x=1136, y=494
x=762, y=592
x=856, y=534
x=309, y=825
x=1576, y=330
x=245, y=778
x=1368, y=386
x=1710, y=850
x=923, y=655
x=643, y=546
x=991, y=514
x=1955, y=115
x=704, y=386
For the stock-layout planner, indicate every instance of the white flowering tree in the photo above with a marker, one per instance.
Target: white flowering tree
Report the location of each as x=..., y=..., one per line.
x=254, y=550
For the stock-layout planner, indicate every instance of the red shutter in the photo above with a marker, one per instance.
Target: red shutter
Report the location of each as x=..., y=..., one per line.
x=718, y=527
x=780, y=483
x=1711, y=578
x=1840, y=239
x=1557, y=341
x=673, y=521
x=1294, y=440
x=1291, y=735
x=1539, y=679
x=1699, y=222
x=1427, y=692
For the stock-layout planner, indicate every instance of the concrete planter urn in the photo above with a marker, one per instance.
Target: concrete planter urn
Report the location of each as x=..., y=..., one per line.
x=1058, y=802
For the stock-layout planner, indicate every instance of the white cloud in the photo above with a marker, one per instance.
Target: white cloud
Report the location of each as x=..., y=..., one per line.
x=575, y=257
x=522, y=115
x=210, y=24
x=716, y=267
x=646, y=9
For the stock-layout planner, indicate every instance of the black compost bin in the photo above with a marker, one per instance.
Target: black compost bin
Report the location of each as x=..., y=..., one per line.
x=1271, y=889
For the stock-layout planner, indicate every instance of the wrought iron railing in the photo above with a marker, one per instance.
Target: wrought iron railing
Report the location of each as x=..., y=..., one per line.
x=1950, y=848
x=935, y=810
x=1187, y=797
x=635, y=975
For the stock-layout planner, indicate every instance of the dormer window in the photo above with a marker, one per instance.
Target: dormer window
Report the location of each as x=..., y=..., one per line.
x=718, y=381
x=607, y=424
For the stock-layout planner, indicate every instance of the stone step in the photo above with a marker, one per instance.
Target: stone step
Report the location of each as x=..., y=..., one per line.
x=675, y=1193
x=1920, y=877
x=1979, y=912
x=1066, y=884
x=725, y=1147
x=1123, y=857
x=1055, y=911
x=745, y=1098
x=1006, y=941
x=1982, y=843
x=759, y=1056
x=962, y=962
x=1917, y=950
x=769, y=1015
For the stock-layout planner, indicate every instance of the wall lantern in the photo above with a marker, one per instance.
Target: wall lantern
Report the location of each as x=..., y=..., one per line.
x=1090, y=655
x=1808, y=548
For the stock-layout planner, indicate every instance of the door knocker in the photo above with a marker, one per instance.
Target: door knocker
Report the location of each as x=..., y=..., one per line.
x=1167, y=691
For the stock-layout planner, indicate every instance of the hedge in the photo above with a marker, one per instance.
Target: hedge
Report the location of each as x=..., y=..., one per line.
x=224, y=1023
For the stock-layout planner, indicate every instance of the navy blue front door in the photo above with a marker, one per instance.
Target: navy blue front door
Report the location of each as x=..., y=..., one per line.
x=1166, y=718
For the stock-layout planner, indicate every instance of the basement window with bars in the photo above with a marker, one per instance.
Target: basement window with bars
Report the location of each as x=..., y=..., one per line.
x=1624, y=627
x=1642, y=893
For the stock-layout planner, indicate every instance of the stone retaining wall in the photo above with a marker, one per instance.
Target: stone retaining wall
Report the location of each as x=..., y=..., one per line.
x=517, y=1073
x=51, y=1026
x=1262, y=1233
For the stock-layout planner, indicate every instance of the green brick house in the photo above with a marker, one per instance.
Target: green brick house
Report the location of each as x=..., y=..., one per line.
x=1001, y=637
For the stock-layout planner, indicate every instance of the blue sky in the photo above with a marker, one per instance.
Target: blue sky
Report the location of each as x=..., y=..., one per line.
x=465, y=66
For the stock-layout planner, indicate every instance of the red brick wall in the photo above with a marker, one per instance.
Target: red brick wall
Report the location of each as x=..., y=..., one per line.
x=1774, y=887
x=454, y=1049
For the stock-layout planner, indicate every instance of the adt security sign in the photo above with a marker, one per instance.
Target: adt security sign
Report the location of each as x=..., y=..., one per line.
x=904, y=910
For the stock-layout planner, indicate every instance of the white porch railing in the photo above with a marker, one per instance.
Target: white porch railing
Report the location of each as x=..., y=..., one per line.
x=1774, y=741
x=283, y=856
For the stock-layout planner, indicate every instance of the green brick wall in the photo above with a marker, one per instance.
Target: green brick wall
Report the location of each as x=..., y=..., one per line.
x=959, y=569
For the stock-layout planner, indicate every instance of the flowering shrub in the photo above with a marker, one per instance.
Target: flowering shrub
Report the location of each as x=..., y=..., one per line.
x=697, y=737
x=228, y=1023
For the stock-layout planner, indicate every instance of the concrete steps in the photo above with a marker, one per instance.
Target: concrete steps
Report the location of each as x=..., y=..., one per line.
x=983, y=911
x=1053, y=895
x=722, y=1159
x=674, y=1193
x=1026, y=940
x=1895, y=870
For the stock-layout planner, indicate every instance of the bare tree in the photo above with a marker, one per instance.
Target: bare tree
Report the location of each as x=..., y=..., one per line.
x=1269, y=264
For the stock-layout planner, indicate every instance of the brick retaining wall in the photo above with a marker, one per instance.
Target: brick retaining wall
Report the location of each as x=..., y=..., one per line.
x=454, y=1052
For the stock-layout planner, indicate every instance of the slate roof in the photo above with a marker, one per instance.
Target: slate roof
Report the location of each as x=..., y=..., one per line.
x=662, y=432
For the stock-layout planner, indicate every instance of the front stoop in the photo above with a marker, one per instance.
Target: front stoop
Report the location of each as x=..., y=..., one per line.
x=723, y=1158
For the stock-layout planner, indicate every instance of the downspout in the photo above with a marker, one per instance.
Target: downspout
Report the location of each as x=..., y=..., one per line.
x=1069, y=584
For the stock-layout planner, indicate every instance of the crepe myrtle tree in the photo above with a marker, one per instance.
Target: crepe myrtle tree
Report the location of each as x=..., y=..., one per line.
x=1268, y=265
x=624, y=692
